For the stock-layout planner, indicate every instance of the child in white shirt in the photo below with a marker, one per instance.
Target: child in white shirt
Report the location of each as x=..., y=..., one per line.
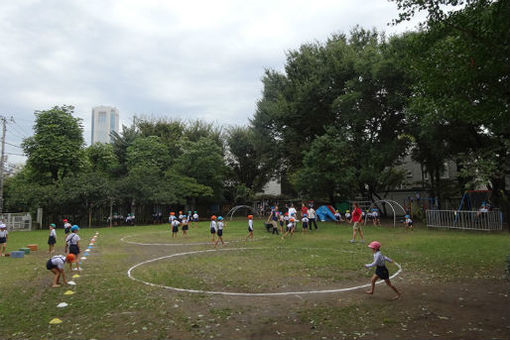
x=4, y=236
x=305, y=221
x=175, y=227
x=250, y=228
x=219, y=231
x=52, y=239
x=212, y=227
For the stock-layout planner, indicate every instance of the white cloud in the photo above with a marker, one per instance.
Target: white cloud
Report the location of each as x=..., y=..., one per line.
x=190, y=60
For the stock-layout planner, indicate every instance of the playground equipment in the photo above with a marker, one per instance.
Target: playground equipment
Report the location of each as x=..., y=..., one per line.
x=232, y=211
x=393, y=204
x=324, y=212
x=474, y=199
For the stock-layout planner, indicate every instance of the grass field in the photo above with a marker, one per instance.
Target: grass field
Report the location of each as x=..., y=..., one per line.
x=107, y=304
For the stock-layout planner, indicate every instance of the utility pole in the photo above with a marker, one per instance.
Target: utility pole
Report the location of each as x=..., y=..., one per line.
x=2, y=159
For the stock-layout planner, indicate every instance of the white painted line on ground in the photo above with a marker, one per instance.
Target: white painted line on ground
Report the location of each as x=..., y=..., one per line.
x=180, y=244
x=198, y=291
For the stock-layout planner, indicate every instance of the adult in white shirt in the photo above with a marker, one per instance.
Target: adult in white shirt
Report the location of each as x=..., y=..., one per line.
x=312, y=216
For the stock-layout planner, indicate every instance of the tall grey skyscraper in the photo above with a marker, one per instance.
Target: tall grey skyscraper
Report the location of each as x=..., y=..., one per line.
x=105, y=119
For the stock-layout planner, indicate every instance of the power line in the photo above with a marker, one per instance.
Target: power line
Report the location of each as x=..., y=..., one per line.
x=19, y=129
x=16, y=146
x=14, y=154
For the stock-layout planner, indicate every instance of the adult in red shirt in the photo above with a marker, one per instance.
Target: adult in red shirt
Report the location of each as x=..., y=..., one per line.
x=304, y=210
x=356, y=219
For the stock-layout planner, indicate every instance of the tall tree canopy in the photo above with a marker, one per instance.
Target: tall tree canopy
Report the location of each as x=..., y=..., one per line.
x=56, y=148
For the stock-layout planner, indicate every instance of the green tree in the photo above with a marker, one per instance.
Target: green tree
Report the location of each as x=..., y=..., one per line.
x=328, y=169
x=101, y=158
x=462, y=79
x=147, y=152
x=248, y=166
x=56, y=148
x=204, y=162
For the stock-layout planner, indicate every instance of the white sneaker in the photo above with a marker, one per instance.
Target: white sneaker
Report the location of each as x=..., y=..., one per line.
x=352, y=241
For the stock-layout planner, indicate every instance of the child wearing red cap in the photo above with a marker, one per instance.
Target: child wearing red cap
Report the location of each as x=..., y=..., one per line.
x=290, y=228
x=56, y=266
x=250, y=228
x=381, y=271
x=212, y=227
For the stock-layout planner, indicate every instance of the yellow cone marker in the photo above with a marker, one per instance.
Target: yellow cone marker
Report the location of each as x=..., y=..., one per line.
x=75, y=276
x=69, y=292
x=55, y=321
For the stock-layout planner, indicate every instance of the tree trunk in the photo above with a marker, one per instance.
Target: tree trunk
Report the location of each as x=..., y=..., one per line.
x=90, y=215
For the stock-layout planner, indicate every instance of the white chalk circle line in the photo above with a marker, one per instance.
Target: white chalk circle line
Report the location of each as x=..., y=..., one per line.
x=180, y=244
x=199, y=291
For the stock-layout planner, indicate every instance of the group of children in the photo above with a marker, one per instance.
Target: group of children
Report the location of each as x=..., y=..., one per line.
x=285, y=223
x=370, y=214
x=72, y=250
x=182, y=221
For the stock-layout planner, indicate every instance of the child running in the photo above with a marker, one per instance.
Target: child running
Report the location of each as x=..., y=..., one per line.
x=52, y=239
x=250, y=228
x=56, y=265
x=220, y=232
x=175, y=227
x=290, y=228
x=4, y=236
x=213, y=228
x=381, y=272
x=73, y=246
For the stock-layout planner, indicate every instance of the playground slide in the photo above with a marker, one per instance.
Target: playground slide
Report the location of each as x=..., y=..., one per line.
x=324, y=214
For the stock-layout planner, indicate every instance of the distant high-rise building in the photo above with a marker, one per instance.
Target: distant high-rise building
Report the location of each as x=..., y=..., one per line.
x=105, y=119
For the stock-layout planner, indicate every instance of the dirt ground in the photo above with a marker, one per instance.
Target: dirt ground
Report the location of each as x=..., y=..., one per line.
x=477, y=308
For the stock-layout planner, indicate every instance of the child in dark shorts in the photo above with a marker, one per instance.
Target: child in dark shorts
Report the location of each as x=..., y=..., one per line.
x=184, y=223
x=52, y=239
x=4, y=236
x=212, y=227
x=56, y=266
x=220, y=231
x=175, y=227
x=381, y=271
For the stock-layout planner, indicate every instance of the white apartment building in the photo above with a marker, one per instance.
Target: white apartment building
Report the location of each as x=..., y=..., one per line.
x=105, y=119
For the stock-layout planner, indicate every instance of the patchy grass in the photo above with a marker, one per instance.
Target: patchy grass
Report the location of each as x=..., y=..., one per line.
x=107, y=304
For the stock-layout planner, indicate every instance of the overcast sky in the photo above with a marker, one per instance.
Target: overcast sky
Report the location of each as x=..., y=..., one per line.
x=180, y=59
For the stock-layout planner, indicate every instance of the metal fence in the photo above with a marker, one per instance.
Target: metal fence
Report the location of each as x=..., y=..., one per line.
x=17, y=221
x=465, y=220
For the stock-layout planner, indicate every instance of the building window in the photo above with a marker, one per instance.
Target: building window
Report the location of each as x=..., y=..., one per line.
x=113, y=120
x=101, y=118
